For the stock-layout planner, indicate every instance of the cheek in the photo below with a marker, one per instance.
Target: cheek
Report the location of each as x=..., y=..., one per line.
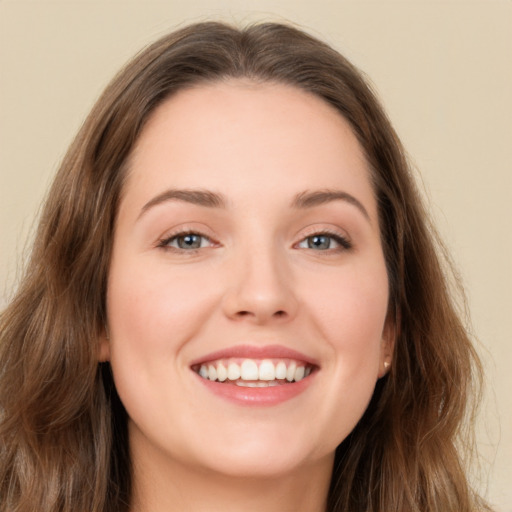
x=351, y=319
x=350, y=316
x=352, y=306
x=155, y=306
x=152, y=315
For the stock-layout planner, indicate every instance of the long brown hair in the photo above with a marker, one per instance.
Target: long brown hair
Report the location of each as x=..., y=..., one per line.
x=62, y=428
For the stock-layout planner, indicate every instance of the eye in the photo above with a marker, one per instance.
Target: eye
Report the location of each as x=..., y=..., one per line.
x=324, y=242
x=186, y=242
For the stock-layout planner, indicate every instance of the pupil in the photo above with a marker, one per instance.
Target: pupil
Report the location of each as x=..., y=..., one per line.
x=319, y=242
x=189, y=241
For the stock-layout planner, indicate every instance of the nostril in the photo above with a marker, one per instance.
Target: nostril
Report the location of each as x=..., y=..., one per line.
x=244, y=313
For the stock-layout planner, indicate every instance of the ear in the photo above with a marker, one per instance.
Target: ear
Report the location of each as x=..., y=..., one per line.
x=387, y=347
x=104, y=346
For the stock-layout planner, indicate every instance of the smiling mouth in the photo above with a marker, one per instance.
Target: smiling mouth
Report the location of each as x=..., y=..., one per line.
x=256, y=373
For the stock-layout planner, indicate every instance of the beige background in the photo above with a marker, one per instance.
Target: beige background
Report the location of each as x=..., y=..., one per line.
x=442, y=68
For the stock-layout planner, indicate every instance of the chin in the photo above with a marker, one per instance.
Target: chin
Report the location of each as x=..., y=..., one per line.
x=261, y=455
x=259, y=466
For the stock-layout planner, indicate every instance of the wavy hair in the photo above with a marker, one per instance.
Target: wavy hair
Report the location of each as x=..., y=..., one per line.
x=63, y=442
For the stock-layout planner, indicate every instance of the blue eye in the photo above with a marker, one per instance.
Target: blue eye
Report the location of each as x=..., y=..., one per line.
x=324, y=242
x=186, y=241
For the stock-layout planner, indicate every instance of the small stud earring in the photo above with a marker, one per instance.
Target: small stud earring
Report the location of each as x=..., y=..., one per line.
x=387, y=364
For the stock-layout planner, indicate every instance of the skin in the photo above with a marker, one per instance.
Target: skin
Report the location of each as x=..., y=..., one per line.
x=254, y=280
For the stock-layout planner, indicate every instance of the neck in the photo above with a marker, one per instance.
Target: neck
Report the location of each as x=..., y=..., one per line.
x=168, y=486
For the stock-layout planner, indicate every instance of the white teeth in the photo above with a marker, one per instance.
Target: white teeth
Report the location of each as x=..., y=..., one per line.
x=212, y=372
x=222, y=373
x=299, y=373
x=290, y=372
x=260, y=384
x=281, y=371
x=267, y=370
x=233, y=371
x=203, y=371
x=252, y=373
x=249, y=370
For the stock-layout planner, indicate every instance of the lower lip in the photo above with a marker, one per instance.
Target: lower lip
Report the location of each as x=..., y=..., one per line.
x=272, y=395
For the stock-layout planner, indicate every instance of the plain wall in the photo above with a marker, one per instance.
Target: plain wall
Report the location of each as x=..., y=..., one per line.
x=442, y=68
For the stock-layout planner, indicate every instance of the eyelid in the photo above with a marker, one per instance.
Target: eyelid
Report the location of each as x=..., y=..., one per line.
x=168, y=242
x=339, y=235
x=163, y=241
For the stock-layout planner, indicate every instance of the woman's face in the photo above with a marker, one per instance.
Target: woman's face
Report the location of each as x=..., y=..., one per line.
x=247, y=294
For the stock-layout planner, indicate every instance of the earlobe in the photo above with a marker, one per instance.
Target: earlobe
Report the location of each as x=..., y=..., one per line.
x=387, y=348
x=384, y=368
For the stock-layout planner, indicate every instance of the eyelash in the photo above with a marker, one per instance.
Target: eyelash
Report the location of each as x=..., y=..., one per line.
x=343, y=243
x=165, y=242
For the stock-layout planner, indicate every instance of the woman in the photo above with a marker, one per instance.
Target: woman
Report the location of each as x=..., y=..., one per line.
x=235, y=299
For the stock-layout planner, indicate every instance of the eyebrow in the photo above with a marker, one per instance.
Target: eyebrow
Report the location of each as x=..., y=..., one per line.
x=310, y=199
x=209, y=199
x=196, y=196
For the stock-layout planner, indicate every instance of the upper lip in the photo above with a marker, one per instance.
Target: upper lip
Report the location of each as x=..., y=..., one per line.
x=256, y=352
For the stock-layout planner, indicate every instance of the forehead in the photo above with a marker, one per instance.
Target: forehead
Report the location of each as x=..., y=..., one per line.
x=238, y=136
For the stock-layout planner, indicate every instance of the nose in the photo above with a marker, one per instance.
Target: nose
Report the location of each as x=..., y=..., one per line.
x=260, y=289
